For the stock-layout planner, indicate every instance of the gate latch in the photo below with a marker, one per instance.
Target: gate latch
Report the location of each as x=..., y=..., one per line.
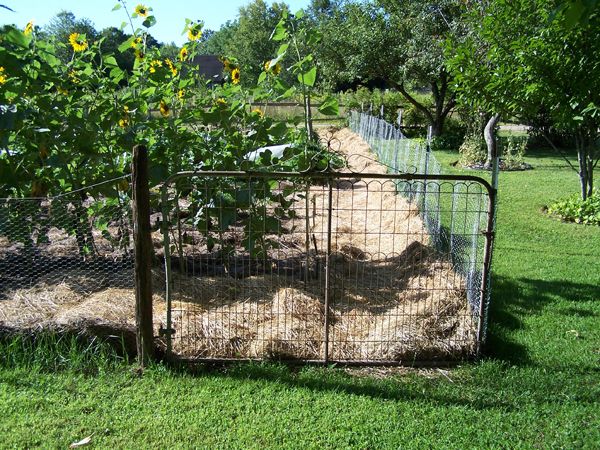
x=166, y=331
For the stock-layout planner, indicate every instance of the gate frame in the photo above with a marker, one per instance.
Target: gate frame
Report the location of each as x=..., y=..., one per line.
x=329, y=176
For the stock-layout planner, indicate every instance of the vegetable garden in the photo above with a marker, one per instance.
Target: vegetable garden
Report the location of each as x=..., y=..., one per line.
x=322, y=251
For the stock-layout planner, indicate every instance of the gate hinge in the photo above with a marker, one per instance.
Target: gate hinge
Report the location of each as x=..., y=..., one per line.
x=166, y=331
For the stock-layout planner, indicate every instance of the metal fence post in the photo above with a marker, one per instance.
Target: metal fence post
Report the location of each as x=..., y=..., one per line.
x=143, y=256
x=328, y=268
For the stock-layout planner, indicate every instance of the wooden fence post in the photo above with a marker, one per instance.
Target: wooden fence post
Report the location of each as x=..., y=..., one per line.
x=143, y=255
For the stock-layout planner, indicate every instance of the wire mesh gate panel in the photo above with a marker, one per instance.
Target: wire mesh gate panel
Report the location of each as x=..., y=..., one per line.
x=348, y=267
x=67, y=259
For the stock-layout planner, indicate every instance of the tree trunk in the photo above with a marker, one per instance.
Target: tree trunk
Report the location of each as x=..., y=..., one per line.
x=489, y=133
x=586, y=165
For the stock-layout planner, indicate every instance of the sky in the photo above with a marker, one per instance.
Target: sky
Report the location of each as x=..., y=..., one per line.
x=170, y=14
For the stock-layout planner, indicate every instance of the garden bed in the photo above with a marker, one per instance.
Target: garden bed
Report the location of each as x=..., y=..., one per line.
x=392, y=296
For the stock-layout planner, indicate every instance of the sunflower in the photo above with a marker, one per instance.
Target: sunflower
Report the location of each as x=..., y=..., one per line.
x=258, y=111
x=73, y=76
x=183, y=54
x=221, y=101
x=194, y=33
x=277, y=69
x=123, y=122
x=78, y=42
x=180, y=94
x=142, y=10
x=154, y=64
x=171, y=66
x=136, y=42
x=164, y=109
x=3, y=77
x=139, y=55
x=28, y=28
x=227, y=64
x=235, y=76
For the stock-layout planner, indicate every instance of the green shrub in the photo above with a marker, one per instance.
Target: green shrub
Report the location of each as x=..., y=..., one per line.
x=574, y=209
x=473, y=150
x=512, y=151
x=452, y=137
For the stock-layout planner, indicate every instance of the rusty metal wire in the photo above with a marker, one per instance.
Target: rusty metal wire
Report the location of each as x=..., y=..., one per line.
x=329, y=267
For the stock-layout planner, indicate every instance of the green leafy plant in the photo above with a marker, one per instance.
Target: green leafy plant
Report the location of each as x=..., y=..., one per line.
x=472, y=150
x=574, y=209
x=513, y=151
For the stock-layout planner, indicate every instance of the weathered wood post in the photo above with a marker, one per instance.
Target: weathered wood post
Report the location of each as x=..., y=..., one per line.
x=143, y=255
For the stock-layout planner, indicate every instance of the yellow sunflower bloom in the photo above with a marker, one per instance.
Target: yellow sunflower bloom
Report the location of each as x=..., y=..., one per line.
x=3, y=77
x=136, y=42
x=181, y=94
x=258, y=111
x=235, y=76
x=78, y=42
x=139, y=55
x=154, y=64
x=277, y=69
x=221, y=101
x=183, y=54
x=123, y=122
x=164, y=109
x=227, y=64
x=194, y=33
x=142, y=10
x=73, y=76
x=171, y=66
x=28, y=28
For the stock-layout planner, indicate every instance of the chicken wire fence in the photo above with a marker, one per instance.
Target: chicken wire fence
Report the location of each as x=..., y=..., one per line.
x=469, y=209
x=67, y=258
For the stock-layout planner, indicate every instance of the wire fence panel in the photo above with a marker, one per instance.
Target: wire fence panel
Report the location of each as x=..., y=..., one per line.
x=469, y=208
x=67, y=259
x=323, y=267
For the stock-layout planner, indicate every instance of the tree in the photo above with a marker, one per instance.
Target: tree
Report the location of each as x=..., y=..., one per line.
x=218, y=42
x=112, y=38
x=399, y=42
x=250, y=43
x=520, y=60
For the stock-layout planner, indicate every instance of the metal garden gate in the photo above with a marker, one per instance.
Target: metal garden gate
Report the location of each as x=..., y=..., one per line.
x=332, y=267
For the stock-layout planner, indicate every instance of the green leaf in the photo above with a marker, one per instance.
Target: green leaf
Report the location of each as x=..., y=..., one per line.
x=308, y=78
x=116, y=7
x=127, y=44
x=110, y=61
x=282, y=49
x=330, y=106
x=149, y=22
x=299, y=14
x=279, y=33
x=262, y=77
x=18, y=38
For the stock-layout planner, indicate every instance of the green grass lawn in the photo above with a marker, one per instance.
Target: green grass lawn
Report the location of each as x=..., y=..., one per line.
x=537, y=387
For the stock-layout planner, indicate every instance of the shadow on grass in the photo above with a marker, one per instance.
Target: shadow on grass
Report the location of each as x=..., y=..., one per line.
x=512, y=300
x=506, y=379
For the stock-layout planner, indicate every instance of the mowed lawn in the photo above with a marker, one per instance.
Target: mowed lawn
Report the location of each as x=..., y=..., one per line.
x=537, y=387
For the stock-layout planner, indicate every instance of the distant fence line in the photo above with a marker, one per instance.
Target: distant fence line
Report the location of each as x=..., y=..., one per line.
x=458, y=225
